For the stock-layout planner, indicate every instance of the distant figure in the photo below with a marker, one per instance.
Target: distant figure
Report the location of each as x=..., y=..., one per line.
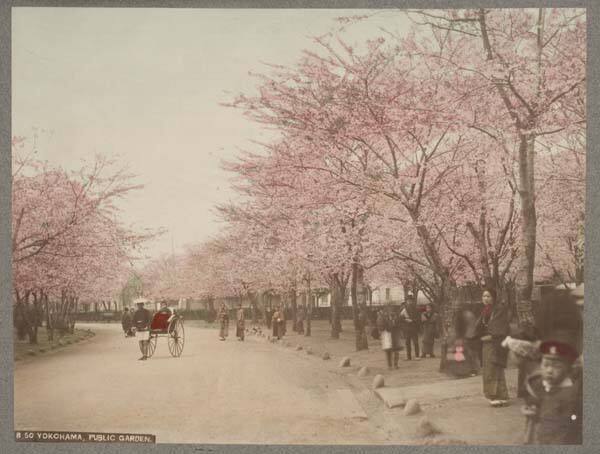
x=276, y=323
x=394, y=325
x=385, y=334
x=554, y=405
x=412, y=320
x=492, y=327
x=429, y=320
x=223, y=317
x=390, y=331
x=127, y=322
x=240, y=326
x=141, y=320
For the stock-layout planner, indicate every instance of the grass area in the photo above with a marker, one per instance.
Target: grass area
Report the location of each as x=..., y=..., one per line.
x=23, y=349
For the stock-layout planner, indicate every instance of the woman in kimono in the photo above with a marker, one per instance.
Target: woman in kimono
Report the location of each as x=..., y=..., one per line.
x=492, y=328
x=224, y=321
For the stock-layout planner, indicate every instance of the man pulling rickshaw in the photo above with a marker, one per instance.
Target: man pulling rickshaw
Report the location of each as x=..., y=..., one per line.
x=141, y=321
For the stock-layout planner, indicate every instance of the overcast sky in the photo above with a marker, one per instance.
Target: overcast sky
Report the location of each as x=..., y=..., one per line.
x=145, y=84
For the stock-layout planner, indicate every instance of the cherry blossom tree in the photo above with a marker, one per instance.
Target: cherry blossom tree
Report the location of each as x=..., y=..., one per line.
x=472, y=83
x=528, y=69
x=67, y=240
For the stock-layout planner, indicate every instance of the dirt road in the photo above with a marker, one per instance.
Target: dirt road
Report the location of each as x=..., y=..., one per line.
x=216, y=392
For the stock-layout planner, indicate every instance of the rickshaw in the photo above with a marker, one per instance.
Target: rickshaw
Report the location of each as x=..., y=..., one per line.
x=169, y=325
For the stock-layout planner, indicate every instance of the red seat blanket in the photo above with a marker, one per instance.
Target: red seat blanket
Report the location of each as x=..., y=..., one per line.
x=160, y=321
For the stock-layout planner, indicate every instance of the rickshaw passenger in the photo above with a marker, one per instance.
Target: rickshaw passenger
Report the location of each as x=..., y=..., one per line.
x=164, y=308
x=142, y=319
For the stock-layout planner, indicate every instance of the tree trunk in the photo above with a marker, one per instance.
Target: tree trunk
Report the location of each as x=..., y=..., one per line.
x=526, y=261
x=357, y=295
x=22, y=316
x=309, y=309
x=34, y=319
x=49, y=324
x=338, y=296
x=445, y=304
x=335, y=311
x=294, y=304
x=72, y=314
x=254, y=308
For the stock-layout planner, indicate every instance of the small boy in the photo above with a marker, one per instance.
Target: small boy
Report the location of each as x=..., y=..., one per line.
x=554, y=402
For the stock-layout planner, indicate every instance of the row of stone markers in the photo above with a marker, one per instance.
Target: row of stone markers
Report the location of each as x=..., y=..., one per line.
x=426, y=429
x=411, y=407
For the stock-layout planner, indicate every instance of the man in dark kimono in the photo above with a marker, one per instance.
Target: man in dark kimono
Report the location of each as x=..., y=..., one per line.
x=411, y=319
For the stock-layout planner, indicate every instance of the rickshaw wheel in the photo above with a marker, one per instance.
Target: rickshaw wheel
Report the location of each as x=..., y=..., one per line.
x=152, y=345
x=176, y=338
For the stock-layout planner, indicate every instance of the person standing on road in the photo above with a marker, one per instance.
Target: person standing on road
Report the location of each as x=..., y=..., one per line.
x=385, y=334
x=390, y=329
x=411, y=318
x=276, y=323
x=429, y=320
x=127, y=322
x=224, y=322
x=142, y=319
x=492, y=328
x=394, y=325
x=241, y=323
